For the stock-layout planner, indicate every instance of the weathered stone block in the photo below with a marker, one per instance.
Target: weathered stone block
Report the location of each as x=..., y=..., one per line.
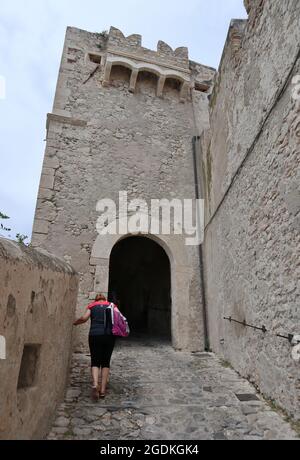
x=52, y=163
x=45, y=194
x=48, y=171
x=41, y=226
x=47, y=182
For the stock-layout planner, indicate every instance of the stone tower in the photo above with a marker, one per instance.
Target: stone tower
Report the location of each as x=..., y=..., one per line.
x=124, y=119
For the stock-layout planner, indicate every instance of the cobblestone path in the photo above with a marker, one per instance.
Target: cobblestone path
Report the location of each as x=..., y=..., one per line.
x=157, y=393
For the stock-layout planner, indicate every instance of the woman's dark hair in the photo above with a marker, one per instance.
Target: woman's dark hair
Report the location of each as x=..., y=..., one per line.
x=100, y=298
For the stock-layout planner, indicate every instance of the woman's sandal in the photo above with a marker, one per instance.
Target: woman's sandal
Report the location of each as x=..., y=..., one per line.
x=102, y=395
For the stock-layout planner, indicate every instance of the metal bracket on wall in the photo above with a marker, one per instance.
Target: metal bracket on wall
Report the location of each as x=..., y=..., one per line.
x=289, y=337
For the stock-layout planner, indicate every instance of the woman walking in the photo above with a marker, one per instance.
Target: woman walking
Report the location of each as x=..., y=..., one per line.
x=101, y=342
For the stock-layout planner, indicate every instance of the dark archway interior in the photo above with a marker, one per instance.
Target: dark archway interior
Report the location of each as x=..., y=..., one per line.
x=140, y=282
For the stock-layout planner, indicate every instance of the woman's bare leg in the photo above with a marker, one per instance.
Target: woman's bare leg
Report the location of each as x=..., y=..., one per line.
x=95, y=375
x=100, y=379
x=105, y=377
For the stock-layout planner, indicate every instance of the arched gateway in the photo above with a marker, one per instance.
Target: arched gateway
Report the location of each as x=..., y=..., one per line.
x=140, y=283
x=118, y=258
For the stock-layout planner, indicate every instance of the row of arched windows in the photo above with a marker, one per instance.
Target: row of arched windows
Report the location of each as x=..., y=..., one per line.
x=146, y=83
x=140, y=79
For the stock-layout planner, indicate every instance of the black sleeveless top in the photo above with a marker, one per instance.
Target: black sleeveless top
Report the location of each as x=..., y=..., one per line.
x=101, y=320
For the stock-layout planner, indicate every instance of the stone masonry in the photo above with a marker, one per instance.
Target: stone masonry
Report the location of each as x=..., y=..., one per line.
x=250, y=160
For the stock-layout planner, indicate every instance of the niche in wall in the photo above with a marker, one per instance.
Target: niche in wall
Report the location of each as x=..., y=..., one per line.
x=120, y=76
x=29, y=366
x=202, y=87
x=95, y=58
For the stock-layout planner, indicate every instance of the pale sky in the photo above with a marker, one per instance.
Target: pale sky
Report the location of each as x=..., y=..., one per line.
x=31, y=40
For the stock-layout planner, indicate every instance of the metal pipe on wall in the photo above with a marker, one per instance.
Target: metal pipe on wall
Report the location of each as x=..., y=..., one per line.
x=195, y=140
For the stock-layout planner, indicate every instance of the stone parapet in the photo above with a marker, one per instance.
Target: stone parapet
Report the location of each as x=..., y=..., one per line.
x=37, y=307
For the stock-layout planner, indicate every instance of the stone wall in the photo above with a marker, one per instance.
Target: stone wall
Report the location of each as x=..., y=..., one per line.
x=37, y=304
x=251, y=172
x=111, y=132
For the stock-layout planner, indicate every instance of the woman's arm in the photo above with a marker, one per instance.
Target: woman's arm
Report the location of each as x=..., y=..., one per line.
x=83, y=319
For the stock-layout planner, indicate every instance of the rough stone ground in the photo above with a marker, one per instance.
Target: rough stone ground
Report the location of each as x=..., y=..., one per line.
x=157, y=393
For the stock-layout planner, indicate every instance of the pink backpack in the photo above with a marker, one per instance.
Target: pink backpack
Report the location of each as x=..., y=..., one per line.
x=120, y=324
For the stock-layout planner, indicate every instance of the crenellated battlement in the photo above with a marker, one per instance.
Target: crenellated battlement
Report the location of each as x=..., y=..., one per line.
x=133, y=45
x=117, y=38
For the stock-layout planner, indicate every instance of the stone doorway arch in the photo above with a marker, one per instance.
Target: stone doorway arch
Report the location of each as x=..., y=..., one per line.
x=181, y=279
x=140, y=283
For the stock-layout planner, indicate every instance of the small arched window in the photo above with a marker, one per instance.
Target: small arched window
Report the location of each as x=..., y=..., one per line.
x=120, y=76
x=172, y=88
x=146, y=82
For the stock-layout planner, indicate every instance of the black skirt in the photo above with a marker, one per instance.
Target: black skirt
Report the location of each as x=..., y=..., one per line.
x=101, y=348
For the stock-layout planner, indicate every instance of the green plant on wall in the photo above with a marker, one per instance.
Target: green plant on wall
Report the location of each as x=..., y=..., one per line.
x=19, y=237
x=103, y=36
x=3, y=228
